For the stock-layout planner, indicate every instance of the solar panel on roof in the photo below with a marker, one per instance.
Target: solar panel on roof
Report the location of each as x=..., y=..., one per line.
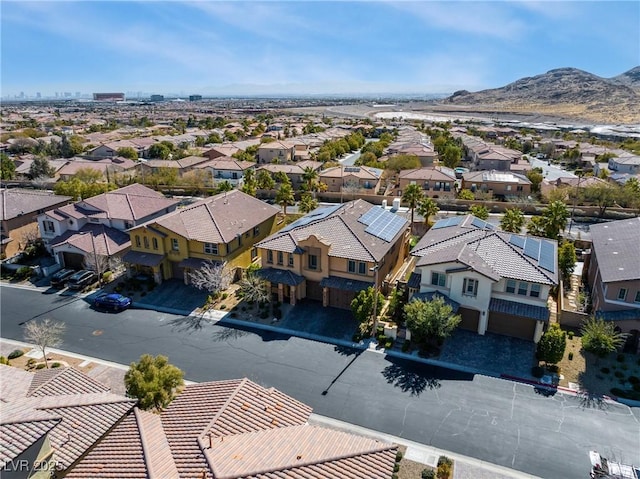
x=317, y=214
x=385, y=225
x=517, y=241
x=372, y=215
x=547, y=256
x=532, y=248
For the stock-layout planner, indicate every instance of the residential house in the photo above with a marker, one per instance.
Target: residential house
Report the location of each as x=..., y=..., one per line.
x=487, y=156
x=226, y=168
x=614, y=272
x=276, y=152
x=108, y=150
x=294, y=171
x=334, y=252
x=352, y=179
x=434, y=181
x=222, y=228
x=573, y=184
x=625, y=163
x=182, y=166
x=501, y=184
x=498, y=282
x=107, y=167
x=96, y=226
x=422, y=149
x=19, y=210
x=52, y=418
x=220, y=151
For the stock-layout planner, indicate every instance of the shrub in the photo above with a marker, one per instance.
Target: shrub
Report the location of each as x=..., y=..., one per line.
x=444, y=460
x=570, y=356
x=398, y=456
x=107, y=276
x=428, y=474
x=223, y=306
x=571, y=334
x=31, y=362
x=23, y=272
x=225, y=295
x=624, y=367
x=56, y=365
x=625, y=393
x=4, y=360
x=406, y=346
x=40, y=366
x=553, y=368
x=394, y=476
x=633, y=379
x=605, y=370
x=388, y=343
x=618, y=374
x=537, y=372
x=396, y=467
x=16, y=353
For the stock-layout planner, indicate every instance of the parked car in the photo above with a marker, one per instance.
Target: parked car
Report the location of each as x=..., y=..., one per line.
x=82, y=279
x=113, y=301
x=60, y=277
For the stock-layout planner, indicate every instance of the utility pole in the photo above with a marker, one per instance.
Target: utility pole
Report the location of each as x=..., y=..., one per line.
x=375, y=300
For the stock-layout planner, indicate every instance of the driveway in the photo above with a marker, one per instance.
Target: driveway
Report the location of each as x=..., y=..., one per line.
x=311, y=317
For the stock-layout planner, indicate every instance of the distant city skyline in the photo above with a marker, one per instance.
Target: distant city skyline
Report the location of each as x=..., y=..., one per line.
x=305, y=47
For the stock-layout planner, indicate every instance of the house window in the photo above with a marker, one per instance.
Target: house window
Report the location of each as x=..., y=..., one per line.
x=313, y=261
x=426, y=185
x=138, y=241
x=470, y=287
x=128, y=224
x=511, y=286
x=362, y=268
x=154, y=242
x=438, y=279
x=535, y=290
x=234, y=176
x=522, y=288
x=291, y=260
x=48, y=226
x=280, y=257
x=256, y=231
x=352, y=266
x=254, y=254
x=508, y=188
x=175, y=246
x=146, y=242
x=519, y=188
x=622, y=294
x=270, y=257
x=637, y=300
x=210, y=248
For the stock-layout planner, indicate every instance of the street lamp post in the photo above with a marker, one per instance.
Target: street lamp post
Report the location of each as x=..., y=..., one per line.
x=575, y=200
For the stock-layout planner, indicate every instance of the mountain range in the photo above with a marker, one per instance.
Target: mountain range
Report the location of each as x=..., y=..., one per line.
x=563, y=92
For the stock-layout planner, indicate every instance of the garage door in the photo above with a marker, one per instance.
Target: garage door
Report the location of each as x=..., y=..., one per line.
x=314, y=290
x=514, y=326
x=339, y=298
x=469, y=319
x=73, y=260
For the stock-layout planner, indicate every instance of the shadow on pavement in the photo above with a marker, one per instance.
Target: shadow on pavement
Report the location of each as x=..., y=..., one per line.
x=592, y=401
x=187, y=323
x=414, y=378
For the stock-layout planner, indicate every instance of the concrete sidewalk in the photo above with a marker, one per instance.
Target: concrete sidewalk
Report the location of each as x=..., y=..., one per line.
x=112, y=374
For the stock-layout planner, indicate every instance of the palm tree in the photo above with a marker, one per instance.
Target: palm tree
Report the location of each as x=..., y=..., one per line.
x=555, y=216
x=412, y=195
x=249, y=183
x=307, y=203
x=224, y=186
x=427, y=207
x=479, y=211
x=309, y=176
x=265, y=180
x=285, y=197
x=513, y=220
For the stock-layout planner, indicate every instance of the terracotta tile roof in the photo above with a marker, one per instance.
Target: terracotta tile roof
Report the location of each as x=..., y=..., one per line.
x=107, y=241
x=348, y=236
x=287, y=451
x=59, y=381
x=219, y=218
x=155, y=445
x=15, y=202
x=118, y=455
x=17, y=437
x=440, y=173
x=226, y=163
x=14, y=384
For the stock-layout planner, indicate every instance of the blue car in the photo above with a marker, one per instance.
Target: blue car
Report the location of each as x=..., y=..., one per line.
x=112, y=301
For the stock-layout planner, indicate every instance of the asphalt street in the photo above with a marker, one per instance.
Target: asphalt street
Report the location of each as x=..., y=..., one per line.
x=495, y=420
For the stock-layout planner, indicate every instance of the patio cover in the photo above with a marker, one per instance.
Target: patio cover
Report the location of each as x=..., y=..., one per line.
x=195, y=263
x=280, y=276
x=144, y=259
x=336, y=282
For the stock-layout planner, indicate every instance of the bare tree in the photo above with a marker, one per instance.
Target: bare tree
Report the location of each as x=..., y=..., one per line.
x=351, y=187
x=254, y=288
x=44, y=334
x=96, y=262
x=213, y=277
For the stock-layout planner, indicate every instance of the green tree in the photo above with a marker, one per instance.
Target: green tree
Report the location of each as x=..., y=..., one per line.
x=362, y=305
x=567, y=259
x=398, y=163
x=603, y=196
x=412, y=196
x=127, y=152
x=160, y=150
x=426, y=208
x=451, y=156
x=307, y=203
x=513, y=220
x=71, y=146
x=224, y=186
x=556, y=215
x=40, y=168
x=552, y=345
x=600, y=337
x=153, y=381
x=479, y=211
x=249, y=182
x=285, y=197
x=7, y=167
x=430, y=320
x=309, y=176
x=466, y=195
x=265, y=180
x=535, y=177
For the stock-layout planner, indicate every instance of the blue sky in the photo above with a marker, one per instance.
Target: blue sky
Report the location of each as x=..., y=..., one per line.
x=310, y=47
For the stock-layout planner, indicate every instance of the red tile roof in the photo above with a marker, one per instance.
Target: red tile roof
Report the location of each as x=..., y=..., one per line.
x=59, y=381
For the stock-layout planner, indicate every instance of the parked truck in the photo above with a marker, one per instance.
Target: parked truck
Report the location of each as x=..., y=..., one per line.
x=603, y=468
